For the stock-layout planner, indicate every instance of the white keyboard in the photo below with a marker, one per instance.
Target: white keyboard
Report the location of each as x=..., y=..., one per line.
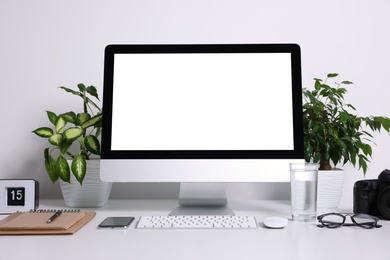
x=197, y=222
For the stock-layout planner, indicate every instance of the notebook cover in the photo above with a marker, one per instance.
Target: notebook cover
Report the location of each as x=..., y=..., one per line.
x=69, y=231
x=38, y=220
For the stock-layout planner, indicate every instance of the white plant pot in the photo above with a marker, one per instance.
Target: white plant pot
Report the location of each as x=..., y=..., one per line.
x=330, y=188
x=92, y=194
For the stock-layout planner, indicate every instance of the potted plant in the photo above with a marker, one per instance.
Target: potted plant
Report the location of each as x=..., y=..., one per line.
x=79, y=132
x=333, y=133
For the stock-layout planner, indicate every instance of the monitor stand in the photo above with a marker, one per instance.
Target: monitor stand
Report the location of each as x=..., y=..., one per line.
x=202, y=199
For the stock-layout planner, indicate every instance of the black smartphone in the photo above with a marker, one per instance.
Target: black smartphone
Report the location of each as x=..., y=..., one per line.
x=116, y=223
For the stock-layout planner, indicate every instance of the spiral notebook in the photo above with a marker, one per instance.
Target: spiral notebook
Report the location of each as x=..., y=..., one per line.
x=36, y=222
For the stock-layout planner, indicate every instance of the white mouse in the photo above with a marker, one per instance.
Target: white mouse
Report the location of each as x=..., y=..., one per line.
x=275, y=222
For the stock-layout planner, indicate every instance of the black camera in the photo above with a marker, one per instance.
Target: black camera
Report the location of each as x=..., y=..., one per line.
x=373, y=196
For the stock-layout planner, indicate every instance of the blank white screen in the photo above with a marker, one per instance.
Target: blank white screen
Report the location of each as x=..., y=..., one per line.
x=202, y=102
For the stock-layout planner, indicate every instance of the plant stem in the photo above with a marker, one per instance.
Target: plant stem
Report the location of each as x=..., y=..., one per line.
x=324, y=165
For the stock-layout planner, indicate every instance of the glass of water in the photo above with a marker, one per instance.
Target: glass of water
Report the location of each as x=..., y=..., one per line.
x=303, y=179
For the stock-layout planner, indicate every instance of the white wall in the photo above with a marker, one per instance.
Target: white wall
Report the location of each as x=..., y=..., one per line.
x=48, y=43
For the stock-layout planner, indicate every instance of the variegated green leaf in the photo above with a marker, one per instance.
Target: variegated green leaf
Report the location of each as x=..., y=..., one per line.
x=79, y=168
x=52, y=117
x=93, y=121
x=43, y=132
x=62, y=169
x=65, y=145
x=82, y=117
x=60, y=124
x=50, y=165
x=55, y=139
x=73, y=133
x=92, y=144
x=69, y=116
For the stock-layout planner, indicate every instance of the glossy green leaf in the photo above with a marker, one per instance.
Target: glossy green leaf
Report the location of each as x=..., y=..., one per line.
x=70, y=91
x=55, y=139
x=69, y=117
x=62, y=169
x=81, y=87
x=60, y=124
x=92, y=144
x=363, y=163
x=317, y=85
x=93, y=121
x=82, y=118
x=73, y=133
x=346, y=82
x=367, y=149
x=52, y=117
x=79, y=168
x=65, y=145
x=50, y=165
x=43, y=132
x=93, y=92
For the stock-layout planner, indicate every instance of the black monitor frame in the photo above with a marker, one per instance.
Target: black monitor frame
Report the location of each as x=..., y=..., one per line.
x=293, y=49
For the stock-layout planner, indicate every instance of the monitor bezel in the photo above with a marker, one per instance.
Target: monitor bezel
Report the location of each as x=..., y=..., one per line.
x=112, y=50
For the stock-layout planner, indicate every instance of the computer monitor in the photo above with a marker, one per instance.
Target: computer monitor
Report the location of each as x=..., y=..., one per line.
x=202, y=115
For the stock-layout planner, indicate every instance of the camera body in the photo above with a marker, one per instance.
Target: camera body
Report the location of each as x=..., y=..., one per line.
x=373, y=196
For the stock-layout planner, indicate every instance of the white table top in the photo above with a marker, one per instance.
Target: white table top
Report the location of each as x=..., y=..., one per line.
x=298, y=240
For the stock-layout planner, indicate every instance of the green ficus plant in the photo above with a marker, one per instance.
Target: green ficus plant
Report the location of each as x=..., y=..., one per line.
x=332, y=130
x=70, y=128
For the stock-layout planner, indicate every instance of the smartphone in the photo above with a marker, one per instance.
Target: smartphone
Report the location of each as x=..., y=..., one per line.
x=116, y=223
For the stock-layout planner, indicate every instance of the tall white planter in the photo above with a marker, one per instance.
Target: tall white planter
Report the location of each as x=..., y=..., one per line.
x=92, y=194
x=330, y=188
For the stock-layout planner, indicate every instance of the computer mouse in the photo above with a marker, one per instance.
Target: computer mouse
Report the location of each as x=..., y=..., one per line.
x=275, y=222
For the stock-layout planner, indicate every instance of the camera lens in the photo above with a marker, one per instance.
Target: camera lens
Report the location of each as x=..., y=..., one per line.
x=384, y=202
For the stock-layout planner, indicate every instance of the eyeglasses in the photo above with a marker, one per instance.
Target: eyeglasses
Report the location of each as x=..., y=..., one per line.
x=335, y=220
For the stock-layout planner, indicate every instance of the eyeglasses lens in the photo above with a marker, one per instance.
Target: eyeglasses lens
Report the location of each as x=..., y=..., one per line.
x=332, y=220
x=364, y=220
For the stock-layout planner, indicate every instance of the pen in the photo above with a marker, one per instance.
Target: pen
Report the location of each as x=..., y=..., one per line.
x=54, y=216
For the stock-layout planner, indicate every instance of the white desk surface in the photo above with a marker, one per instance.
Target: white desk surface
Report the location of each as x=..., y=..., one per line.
x=298, y=240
